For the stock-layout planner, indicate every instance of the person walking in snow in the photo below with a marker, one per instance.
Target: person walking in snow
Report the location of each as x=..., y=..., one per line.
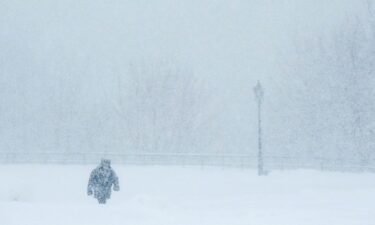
x=101, y=181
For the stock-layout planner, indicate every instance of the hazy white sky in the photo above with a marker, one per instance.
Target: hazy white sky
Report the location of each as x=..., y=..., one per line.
x=228, y=44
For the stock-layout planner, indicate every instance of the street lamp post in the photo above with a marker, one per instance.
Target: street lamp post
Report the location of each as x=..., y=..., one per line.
x=259, y=92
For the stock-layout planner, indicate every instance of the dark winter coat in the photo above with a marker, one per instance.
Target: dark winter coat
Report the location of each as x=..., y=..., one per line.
x=101, y=181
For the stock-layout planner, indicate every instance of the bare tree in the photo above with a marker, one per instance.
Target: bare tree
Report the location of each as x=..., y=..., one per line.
x=160, y=107
x=337, y=71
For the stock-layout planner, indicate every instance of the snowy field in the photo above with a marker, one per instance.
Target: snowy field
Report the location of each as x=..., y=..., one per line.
x=54, y=195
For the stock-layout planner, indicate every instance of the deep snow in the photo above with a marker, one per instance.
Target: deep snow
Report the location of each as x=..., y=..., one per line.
x=56, y=194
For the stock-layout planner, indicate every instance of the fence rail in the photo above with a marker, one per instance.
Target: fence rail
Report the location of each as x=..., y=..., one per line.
x=223, y=160
x=133, y=159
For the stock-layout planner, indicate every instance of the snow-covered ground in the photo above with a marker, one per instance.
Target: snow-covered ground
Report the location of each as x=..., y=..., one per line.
x=153, y=195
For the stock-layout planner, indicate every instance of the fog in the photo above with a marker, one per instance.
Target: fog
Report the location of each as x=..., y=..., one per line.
x=135, y=77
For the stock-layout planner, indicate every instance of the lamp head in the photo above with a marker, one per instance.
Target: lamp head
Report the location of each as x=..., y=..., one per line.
x=258, y=91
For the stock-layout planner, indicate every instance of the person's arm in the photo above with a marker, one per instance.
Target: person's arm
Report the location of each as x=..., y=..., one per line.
x=116, y=186
x=90, y=184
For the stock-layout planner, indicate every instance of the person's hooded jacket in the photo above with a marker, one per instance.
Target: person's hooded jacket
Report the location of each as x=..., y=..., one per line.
x=101, y=181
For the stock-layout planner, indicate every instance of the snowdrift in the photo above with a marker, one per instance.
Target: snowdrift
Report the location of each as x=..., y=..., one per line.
x=56, y=194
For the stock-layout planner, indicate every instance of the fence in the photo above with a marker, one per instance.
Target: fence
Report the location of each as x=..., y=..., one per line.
x=236, y=160
x=222, y=160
